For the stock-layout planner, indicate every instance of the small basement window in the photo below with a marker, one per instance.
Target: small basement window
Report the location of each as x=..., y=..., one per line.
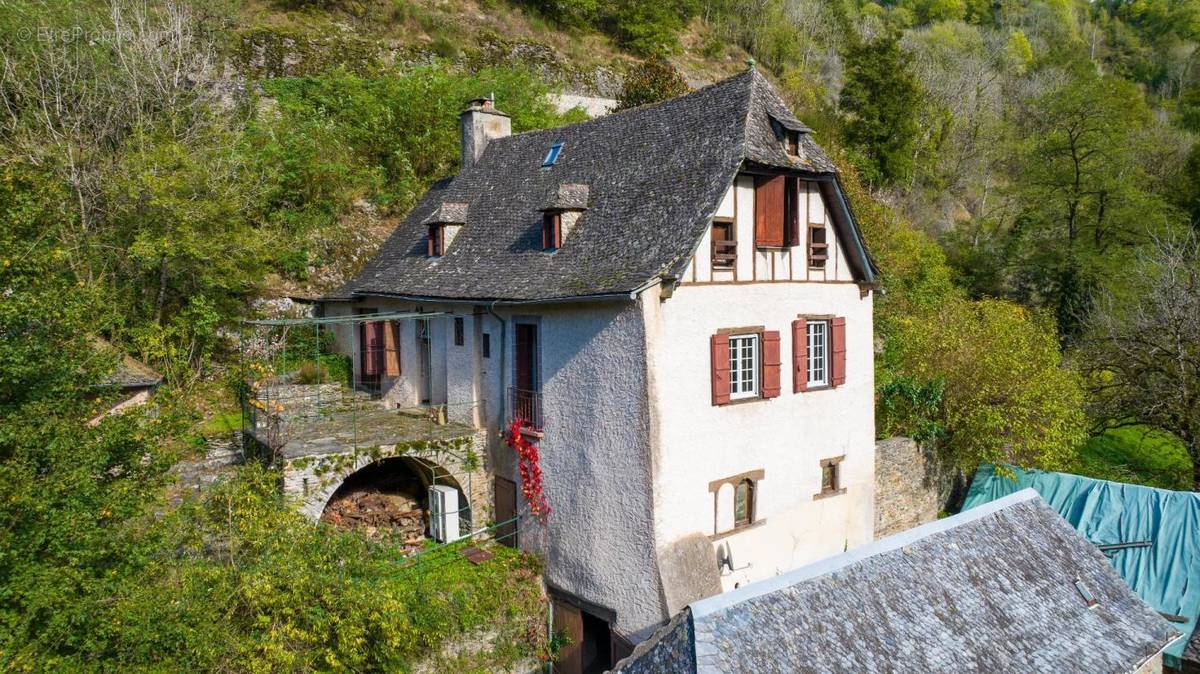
x=459, y=337
x=551, y=230
x=552, y=154
x=831, y=478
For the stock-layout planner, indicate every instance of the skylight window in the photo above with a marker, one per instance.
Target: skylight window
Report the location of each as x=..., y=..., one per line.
x=552, y=155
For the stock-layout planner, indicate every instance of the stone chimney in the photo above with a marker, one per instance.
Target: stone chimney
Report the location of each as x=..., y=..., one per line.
x=479, y=123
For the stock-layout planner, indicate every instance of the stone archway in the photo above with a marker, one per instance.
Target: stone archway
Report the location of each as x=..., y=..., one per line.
x=388, y=497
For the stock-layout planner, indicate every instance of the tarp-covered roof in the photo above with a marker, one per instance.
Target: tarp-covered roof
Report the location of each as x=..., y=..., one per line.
x=1002, y=588
x=1166, y=574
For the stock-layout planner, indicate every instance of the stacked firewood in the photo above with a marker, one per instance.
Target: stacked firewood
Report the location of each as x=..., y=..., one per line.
x=378, y=514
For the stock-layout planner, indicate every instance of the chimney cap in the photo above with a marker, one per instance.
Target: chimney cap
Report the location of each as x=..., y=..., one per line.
x=483, y=104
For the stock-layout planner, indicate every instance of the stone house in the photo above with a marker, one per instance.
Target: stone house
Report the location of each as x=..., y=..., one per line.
x=1006, y=587
x=676, y=303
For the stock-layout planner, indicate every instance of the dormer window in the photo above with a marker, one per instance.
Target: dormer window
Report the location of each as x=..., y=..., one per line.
x=551, y=230
x=437, y=240
x=791, y=142
x=561, y=211
x=444, y=224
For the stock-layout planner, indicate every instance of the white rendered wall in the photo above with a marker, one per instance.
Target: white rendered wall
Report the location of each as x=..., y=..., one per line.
x=598, y=542
x=787, y=437
x=786, y=264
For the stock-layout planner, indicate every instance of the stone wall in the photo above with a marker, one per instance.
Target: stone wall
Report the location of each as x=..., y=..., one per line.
x=312, y=479
x=907, y=486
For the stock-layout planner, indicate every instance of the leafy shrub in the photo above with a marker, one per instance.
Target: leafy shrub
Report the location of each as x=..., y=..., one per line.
x=650, y=82
x=1007, y=398
x=910, y=408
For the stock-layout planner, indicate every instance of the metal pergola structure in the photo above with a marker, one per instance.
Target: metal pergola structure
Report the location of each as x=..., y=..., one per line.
x=296, y=386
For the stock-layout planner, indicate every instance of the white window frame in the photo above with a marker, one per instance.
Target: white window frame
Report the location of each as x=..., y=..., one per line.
x=744, y=371
x=817, y=367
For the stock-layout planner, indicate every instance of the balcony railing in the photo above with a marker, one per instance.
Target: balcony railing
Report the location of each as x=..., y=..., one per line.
x=526, y=406
x=724, y=254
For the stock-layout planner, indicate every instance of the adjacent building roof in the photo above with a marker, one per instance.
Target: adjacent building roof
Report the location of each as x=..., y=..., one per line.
x=1002, y=588
x=130, y=373
x=654, y=177
x=1162, y=564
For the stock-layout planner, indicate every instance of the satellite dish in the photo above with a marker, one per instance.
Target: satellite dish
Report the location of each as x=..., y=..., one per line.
x=726, y=558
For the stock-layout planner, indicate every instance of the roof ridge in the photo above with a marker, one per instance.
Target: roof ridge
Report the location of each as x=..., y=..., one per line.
x=640, y=108
x=710, y=605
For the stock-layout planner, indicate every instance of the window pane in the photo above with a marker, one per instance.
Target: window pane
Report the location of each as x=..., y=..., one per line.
x=743, y=365
x=828, y=477
x=739, y=503
x=818, y=342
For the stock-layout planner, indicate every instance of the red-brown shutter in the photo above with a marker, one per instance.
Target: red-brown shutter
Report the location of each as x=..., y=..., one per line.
x=391, y=347
x=720, y=369
x=373, y=348
x=770, y=364
x=839, y=350
x=799, y=355
x=791, y=225
x=769, y=211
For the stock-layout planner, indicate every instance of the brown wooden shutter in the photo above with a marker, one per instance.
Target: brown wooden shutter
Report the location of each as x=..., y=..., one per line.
x=391, y=346
x=720, y=369
x=373, y=348
x=799, y=355
x=769, y=211
x=839, y=350
x=770, y=364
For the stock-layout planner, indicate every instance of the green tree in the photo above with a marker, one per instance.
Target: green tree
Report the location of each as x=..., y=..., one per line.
x=1006, y=397
x=881, y=99
x=650, y=81
x=1086, y=196
x=1142, y=356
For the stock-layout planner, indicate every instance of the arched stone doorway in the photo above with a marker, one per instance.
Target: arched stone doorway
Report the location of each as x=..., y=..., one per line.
x=390, y=498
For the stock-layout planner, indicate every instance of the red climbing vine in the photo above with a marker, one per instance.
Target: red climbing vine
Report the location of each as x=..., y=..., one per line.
x=531, y=470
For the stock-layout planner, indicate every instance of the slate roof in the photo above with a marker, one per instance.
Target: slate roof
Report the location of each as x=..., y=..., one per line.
x=989, y=590
x=567, y=196
x=654, y=176
x=129, y=373
x=447, y=212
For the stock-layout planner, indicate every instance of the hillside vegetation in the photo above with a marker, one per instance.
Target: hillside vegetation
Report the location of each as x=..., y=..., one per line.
x=1025, y=174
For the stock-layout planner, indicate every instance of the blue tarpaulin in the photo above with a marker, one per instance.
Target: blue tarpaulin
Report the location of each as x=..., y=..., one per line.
x=1166, y=575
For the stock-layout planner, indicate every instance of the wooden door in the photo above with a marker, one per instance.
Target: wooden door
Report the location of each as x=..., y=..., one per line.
x=424, y=346
x=506, y=510
x=568, y=620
